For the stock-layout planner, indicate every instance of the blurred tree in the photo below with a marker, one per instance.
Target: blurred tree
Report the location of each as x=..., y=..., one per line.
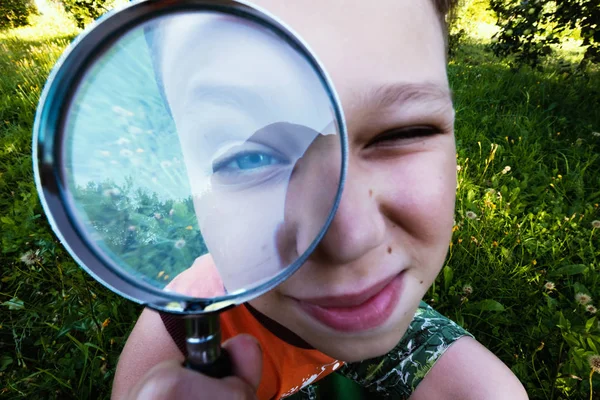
x=86, y=11
x=14, y=13
x=529, y=27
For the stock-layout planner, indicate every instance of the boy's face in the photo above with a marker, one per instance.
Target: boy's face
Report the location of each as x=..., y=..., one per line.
x=356, y=295
x=387, y=62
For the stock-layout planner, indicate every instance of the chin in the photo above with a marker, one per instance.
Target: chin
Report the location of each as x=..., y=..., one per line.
x=357, y=349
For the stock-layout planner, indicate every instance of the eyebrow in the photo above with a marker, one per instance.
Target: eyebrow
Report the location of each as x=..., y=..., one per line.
x=393, y=95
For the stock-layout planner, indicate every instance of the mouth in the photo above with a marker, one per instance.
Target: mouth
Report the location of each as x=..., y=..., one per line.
x=356, y=312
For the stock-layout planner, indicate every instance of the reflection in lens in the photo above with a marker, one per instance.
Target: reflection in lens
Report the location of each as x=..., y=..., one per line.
x=200, y=145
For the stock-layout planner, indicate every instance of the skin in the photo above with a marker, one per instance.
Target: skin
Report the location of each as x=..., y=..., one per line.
x=244, y=138
x=388, y=66
x=400, y=190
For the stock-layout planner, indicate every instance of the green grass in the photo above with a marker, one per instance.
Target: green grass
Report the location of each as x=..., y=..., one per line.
x=61, y=333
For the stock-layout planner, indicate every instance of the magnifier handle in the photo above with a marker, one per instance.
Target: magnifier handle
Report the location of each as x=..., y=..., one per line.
x=221, y=368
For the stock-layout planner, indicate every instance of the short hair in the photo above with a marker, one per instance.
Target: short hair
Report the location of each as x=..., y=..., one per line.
x=446, y=11
x=444, y=7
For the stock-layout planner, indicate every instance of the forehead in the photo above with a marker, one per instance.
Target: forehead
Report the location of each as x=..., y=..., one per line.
x=364, y=46
x=394, y=51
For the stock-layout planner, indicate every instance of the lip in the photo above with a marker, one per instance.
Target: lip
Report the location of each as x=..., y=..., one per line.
x=356, y=312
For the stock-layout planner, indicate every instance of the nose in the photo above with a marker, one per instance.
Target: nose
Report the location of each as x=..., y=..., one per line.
x=358, y=225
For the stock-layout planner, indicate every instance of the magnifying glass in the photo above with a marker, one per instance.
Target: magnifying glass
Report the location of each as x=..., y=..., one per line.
x=190, y=155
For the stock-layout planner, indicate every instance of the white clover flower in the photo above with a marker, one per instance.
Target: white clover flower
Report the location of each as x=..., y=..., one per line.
x=111, y=192
x=583, y=298
x=549, y=286
x=506, y=170
x=122, y=112
x=134, y=130
x=591, y=309
x=594, y=361
x=596, y=224
x=596, y=134
x=31, y=257
x=467, y=289
x=471, y=215
x=180, y=244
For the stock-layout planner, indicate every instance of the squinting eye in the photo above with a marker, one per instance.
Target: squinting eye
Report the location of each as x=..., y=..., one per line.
x=405, y=133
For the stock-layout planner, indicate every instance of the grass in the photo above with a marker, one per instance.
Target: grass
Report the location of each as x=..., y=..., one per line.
x=524, y=243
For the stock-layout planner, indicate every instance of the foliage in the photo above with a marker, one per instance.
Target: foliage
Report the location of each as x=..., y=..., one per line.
x=517, y=230
x=469, y=17
x=157, y=239
x=529, y=28
x=86, y=11
x=14, y=13
x=526, y=233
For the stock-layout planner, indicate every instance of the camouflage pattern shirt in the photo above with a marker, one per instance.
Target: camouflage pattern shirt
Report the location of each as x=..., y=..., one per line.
x=395, y=375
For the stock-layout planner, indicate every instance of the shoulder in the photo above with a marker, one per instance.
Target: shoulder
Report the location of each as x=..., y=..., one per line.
x=436, y=359
x=468, y=370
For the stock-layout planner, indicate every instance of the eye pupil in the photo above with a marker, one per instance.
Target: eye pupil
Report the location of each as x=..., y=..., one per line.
x=253, y=161
x=254, y=158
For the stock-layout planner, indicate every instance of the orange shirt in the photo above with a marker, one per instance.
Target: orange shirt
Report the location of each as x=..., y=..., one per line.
x=287, y=368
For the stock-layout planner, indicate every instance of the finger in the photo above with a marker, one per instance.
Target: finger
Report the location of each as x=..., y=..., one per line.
x=202, y=279
x=246, y=357
x=169, y=380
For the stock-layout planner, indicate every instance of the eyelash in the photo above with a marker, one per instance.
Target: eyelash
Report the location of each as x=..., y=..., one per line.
x=405, y=133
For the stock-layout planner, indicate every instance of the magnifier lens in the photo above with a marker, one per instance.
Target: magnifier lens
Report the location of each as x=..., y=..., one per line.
x=201, y=155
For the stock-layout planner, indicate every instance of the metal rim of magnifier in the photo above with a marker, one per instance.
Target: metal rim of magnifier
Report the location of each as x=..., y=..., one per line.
x=47, y=147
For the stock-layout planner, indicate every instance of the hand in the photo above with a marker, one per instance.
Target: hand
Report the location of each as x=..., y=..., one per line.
x=202, y=279
x=170, y=380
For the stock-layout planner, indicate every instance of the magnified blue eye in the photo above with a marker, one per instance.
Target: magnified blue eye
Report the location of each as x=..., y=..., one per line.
x=246, y=162
x=254, y=160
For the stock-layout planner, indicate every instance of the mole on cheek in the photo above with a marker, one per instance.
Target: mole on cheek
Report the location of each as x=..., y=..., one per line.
x=421, y=282
x=389, y=250
x=370, y=192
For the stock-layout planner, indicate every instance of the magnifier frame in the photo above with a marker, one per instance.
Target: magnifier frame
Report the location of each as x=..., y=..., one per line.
x=48, y=157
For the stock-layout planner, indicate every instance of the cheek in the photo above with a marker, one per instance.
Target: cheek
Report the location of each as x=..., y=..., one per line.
x=421, y=196
x=239, y=232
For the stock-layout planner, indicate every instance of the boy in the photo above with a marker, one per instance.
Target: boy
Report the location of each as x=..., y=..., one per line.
x=356, y=296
